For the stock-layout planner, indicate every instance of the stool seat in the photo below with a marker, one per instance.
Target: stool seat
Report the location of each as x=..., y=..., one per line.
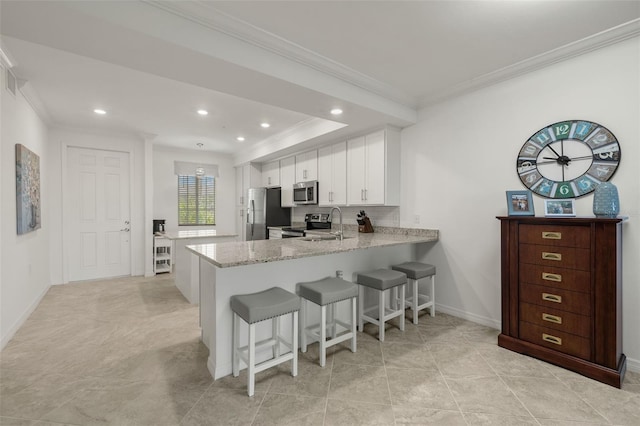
x=265, y=304
x=327, y=290
x=415, y=270
x=381, y=279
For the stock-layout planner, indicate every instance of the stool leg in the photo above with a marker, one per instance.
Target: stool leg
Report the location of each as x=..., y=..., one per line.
x=332, y=320
x=416, y=299
x=303, y=324
x=360, y=308
x=433, y=295
x=294, y=344
x=381, y=315
x=275, y=334
x=235, y=345
x=402, y=295
x=251, y=368
x=322, y=348
x=353, y=324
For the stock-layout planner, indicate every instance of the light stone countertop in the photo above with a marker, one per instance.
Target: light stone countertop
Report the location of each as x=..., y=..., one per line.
x=225, y=255
x=197, y=233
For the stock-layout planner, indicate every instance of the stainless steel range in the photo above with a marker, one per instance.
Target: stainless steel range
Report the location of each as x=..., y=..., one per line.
x=313, y=221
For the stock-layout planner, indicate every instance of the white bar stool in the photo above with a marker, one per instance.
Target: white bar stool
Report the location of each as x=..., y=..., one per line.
x=253, y=308
x=327, y=292
x=415, y=272
x=382, y=280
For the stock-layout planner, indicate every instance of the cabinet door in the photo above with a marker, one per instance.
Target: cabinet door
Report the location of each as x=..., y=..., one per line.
x=287, y=179
x=325, y=183
x=271, y=174
x=355, y=171
x=307, y=166
x=338, y=173
x=239, y=187
x=374, y=168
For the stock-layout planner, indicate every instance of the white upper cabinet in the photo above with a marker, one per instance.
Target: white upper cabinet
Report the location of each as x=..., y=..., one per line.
x=373, y=169
x=287, y=179
x=307, y=166
x=332, y=174
x=271, y=174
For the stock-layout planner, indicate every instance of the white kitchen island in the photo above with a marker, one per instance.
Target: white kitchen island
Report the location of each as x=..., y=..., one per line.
x=246, y=267
x=185, y=267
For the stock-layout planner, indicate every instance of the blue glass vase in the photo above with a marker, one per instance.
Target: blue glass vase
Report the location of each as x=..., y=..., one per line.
x=605, y=200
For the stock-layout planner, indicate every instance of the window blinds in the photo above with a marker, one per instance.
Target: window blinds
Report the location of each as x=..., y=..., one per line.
x=196, y=200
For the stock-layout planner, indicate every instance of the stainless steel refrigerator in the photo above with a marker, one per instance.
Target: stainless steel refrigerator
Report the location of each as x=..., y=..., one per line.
x=263, y=210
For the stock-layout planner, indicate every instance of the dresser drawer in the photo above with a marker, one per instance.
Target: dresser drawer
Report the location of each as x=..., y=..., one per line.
x=556, y=340
x=564, y=257
x=567, y=279
x=556, y=319
x=556, y=235
x=556, y=298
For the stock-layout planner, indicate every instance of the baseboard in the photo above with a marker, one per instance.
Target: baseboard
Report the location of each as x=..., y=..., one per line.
x=633, y=365
x=489, y=322
x=21, y=320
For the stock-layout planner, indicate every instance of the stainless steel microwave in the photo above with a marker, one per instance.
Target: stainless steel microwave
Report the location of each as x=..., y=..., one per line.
x=305, y=192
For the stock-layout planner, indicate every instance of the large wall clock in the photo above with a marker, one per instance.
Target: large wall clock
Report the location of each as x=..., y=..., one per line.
x=568, y=159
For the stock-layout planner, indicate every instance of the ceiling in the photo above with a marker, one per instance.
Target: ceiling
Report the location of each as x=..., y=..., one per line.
x=151, y=65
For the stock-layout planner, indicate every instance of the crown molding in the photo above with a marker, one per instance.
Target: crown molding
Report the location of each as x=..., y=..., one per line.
x=589, y=44
x=34, y=100
x=204, y=13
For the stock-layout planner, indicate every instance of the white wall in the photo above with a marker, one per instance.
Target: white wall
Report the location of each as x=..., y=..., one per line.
x=24, y=271
x=165, y=187
x=460, y=158
x=60, y=140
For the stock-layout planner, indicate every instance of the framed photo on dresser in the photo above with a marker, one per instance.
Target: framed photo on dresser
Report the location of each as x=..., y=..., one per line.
x=520, y=203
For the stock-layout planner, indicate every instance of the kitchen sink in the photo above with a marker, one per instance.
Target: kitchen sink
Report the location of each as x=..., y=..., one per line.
x=327, y=237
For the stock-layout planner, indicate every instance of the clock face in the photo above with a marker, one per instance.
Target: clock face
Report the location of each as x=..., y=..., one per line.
x=568, y=159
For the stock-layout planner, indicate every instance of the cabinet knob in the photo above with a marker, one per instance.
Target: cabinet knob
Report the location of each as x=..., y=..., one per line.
x=551, y=318
x=552, y=277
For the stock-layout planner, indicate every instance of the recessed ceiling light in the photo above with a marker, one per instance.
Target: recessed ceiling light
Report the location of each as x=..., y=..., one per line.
x=203, y=112
x=240, y=139
x=336, y=111
x=265, y=125
x=100, y=111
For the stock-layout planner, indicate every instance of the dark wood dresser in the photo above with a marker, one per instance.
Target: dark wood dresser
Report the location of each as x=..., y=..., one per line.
x=562, y=293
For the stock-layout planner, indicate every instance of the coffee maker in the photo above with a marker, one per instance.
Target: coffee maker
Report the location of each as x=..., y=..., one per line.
x=158, y=226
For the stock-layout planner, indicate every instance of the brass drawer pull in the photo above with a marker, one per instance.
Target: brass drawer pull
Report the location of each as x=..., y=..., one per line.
x=552, y=235
x=551, y=297
x=551, y=277
x=551, y=318
x=551, y=256
x=552, y=339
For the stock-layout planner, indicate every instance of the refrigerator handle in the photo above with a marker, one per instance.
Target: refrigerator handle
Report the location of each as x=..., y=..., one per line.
x=253, y=220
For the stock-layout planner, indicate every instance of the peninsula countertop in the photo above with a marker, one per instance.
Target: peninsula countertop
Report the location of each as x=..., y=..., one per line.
x=232, y=254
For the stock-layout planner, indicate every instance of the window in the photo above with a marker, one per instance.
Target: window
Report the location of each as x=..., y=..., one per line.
x=196, y=200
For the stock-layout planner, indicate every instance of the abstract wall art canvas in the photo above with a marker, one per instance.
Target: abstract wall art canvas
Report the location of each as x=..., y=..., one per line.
x=27, y=189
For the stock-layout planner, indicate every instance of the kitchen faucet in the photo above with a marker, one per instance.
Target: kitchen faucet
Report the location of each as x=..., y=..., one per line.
x=340, y=232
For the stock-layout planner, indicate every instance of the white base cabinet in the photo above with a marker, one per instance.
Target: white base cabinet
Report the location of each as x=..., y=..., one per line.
x=162, y=255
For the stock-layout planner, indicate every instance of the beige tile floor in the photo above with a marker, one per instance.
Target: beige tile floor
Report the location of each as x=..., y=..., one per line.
x=127, y=352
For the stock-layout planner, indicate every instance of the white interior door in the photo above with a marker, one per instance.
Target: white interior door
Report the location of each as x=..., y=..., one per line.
x=98, y=216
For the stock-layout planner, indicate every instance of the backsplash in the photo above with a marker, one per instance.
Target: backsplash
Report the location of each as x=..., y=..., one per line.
x=379, y=215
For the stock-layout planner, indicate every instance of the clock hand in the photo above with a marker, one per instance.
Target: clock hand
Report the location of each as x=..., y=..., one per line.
x=554, y=151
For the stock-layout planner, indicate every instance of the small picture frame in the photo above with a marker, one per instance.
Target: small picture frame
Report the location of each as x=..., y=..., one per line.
x=560, y=208
x=520, y=203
